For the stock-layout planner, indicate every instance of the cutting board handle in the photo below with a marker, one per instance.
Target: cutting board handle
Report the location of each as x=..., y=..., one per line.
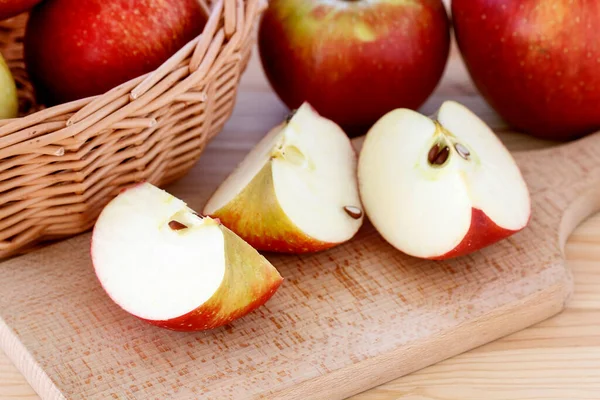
x=569, y=173
x=562, y=166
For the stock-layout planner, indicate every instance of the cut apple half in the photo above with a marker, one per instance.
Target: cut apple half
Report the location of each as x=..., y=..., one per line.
x=440, y=188
x=160, y=261
x=296, y=191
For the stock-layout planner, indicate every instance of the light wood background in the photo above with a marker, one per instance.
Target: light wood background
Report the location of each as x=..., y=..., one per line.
x=557, y=359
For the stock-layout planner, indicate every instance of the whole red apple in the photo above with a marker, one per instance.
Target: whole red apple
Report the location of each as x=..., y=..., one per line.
x=536, y=62
x=10, y=8
x=75, y=49
x=354, y=60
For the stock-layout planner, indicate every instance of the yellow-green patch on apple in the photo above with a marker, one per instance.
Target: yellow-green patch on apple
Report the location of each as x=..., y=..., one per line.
x=9, y=101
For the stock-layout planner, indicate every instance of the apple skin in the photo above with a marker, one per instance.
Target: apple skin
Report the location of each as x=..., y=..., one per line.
x=272, y=231
x=354, y=61
x=11, y=8
x=536, y=62
x=75, y=49
x=239, y=294
x=9, y=99
x=482, y=233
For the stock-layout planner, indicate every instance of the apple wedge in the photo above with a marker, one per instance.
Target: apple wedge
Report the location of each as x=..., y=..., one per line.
x=161, y=262
x=296, y=191
x=440, y=188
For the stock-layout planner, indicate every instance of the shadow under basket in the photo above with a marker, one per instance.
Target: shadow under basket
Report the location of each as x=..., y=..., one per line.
x=60, y=166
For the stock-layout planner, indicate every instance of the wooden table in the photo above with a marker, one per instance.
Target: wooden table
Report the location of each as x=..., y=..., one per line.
x=556, y=359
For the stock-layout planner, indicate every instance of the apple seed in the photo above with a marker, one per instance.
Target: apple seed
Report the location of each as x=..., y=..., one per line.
x=176, y=225
x=462, y=151
x=353, y=211
x=438, y=154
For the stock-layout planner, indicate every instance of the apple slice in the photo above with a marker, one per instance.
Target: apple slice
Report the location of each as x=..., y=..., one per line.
x=440, y=188
x=296, y=191
x=160, y=261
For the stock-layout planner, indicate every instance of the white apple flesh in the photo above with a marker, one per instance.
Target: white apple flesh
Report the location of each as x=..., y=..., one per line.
x=296, y=191
x=440, y=188
x=160, y=261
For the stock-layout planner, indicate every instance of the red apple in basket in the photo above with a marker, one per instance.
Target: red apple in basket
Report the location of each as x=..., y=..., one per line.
x=10, y=8
x=296, y=191
x=75, y=49
x=163, y=263
x=440, y=188
x=536, y=62
x=354, y=60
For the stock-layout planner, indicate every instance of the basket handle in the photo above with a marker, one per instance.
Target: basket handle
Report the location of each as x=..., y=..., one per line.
x=229, y=17
x=206, y=37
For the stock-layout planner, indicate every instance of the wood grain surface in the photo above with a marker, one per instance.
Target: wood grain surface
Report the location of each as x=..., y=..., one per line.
x=527, y=361
x=556, y=359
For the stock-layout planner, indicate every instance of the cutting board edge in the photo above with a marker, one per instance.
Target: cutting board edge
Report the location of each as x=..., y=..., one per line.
x=533, y=309
x=23, y=360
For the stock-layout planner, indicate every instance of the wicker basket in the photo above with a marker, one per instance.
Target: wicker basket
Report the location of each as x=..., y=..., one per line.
x=59, y=166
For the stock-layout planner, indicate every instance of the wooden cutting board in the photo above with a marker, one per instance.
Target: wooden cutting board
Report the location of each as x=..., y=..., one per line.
x=344, y=320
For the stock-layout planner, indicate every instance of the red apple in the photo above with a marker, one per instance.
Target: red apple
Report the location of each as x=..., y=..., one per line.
x=75, y=49
x=440, y=188
x=163, y=263
x=10, y=8
x=536, y=62
x=354, y=60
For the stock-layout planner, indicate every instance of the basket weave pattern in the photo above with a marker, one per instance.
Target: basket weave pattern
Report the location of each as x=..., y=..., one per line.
x=59, y=166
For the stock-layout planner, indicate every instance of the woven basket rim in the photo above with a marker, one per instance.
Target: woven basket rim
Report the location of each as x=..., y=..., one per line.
x=219, y=9
x=60, y=165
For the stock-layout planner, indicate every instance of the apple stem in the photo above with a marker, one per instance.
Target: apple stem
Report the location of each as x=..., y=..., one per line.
x=289, y=117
